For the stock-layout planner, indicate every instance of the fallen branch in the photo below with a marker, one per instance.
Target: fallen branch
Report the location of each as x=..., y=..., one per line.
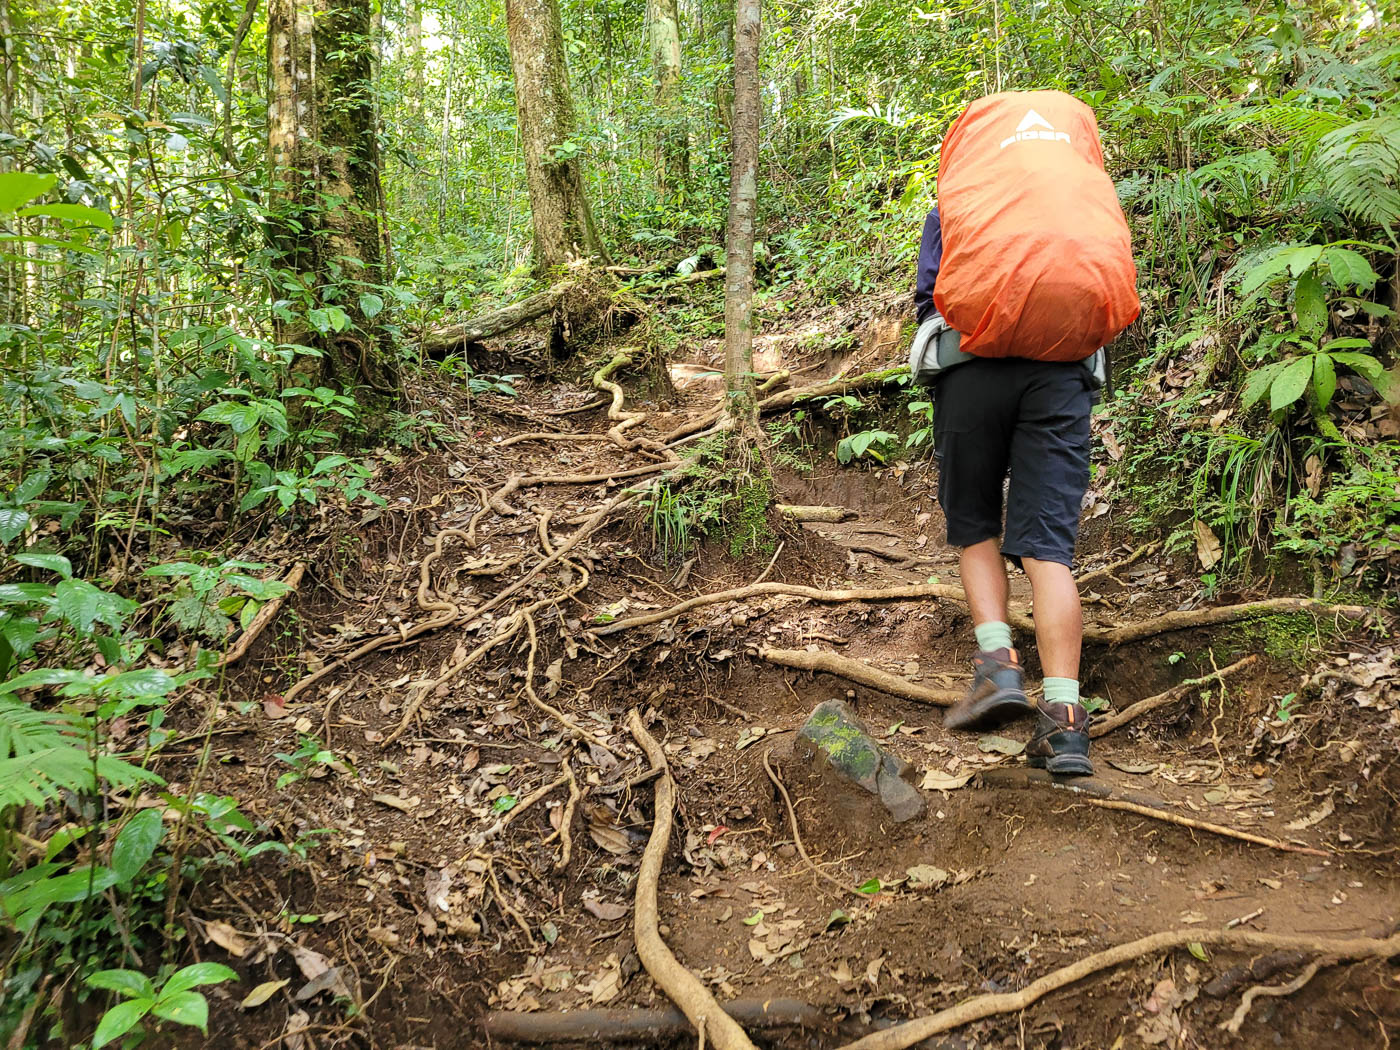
x=495, y=322
x=975, y=1009
x=1184, y=618
x=797, y=835
x=1234, y=1024
x=639, y=1026
x=1094, y=795
x=816, y=594
x=856, y=671
x=1121, y=563
x=1099, y=726
x=680, y=985
x=264, y=616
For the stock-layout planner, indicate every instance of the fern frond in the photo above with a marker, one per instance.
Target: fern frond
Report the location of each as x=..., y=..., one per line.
x=1360, y=167
x=41, y=777
x=25, y=731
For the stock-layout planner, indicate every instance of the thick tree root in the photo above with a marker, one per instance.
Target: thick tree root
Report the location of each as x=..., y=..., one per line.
x=822, y=515
x=975, y=1009
x=1094, y=794
x=1210, y=617
x=862, y=673
x=816, y=594
x=1100, y=726
x=680, y=985
x=639, y=1026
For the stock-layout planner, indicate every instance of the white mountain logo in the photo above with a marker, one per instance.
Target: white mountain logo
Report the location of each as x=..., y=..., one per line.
x=1027, y=130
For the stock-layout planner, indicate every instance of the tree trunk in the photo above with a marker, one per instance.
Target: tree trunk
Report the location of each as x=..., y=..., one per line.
x=325, y=189
x=559, y=213
x=740, y=400
x=672, y=158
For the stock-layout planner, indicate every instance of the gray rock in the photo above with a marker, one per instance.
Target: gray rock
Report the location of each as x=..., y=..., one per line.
x=835, y=740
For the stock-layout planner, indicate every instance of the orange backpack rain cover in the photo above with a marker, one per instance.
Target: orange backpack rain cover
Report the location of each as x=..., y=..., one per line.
x=1037, y=260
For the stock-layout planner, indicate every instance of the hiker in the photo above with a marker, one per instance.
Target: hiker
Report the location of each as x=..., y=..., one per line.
x=1025, y=272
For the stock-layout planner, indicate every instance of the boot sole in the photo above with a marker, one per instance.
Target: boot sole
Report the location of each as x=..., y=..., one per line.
x=1063, y=765
x=992, y=711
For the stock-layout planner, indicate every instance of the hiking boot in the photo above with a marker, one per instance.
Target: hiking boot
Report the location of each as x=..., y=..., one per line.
x=1060, y=743
x=997, y=693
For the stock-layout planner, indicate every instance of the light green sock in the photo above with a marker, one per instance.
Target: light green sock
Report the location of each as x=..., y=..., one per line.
x=1061, y=690
x=993, y=636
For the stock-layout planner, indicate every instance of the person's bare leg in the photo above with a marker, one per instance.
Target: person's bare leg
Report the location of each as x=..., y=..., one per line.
x=1059, y=617
x=984, y=581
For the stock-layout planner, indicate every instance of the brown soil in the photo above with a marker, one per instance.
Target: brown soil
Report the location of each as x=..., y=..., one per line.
x=435, y=917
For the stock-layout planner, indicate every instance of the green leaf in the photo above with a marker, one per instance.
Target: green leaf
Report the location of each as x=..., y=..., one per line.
x=136, y=843
x=870, y=886
x=370, y=304
x=146, y=683
x=504, y=804
x=53, y=562
x=197, y=974
x=82, y=605
x=130, y=983
x=24, y=593
x=1291, y=383
x=1350, y=269
x=32, y=487
x=836, y=918
x=189, y=1008
x=1259, y=381
x=79, y=213
x=1310, y=305
x=18, y=188
x=12, y=523
x=1367, y=365
x=1324, y=379
x=1198, y=950
x=119, y=1020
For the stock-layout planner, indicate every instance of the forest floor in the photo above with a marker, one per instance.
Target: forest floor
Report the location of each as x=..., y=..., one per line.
x=439, y=886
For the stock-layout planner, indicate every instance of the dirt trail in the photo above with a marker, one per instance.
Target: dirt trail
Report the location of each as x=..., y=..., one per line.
x=486, y=858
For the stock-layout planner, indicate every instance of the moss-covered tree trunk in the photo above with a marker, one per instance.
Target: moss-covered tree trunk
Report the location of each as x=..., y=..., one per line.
x=740, y=402
x=672, y=152
x=325, y=190
x=559, y=212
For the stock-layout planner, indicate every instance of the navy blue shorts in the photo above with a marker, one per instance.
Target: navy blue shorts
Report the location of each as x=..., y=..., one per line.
x=1027, y=418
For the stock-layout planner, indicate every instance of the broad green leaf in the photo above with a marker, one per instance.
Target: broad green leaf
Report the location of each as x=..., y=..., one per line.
x=78, y=213
x=17, y=593
x=12, y=523
x=870, y=886
x=1310, y=304
x=1349, y=343
x=1302, y=259
x=41, y=677
x=189, y=1008
x=53, y=562
x=119, y=1020
x=136, y=843
x=1350, y=269
x=197, y=974
x=1367, y=365
x=82, y=605
x=146, y=682
x=32, y=487
x=1324, y=379
x=62, y=889
x=130, y=983
x=18, y=188
x=370, y=304
x=1290, y=384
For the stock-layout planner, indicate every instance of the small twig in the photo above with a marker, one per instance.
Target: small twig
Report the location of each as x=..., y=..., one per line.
x=1235, y=1023
x=771, y=562
x=796, y=835
x=1121, y=563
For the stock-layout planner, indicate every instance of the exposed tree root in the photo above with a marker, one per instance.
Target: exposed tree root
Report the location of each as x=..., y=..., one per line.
x=1180, y=619
x=639, y=1026
x=264, y=616
x=826, y=515
x=777, y=402
x=856, y=671
x=1099, y=726
x=1094, y=795
x=566, y=819
x=975, y=1009
x=1234, y=1024
x=816, y=594
x=1122, y=563
x=680, y=985
x=796, y=834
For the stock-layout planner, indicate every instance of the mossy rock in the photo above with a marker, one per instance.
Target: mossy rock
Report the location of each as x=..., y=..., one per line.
x=834, y=740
